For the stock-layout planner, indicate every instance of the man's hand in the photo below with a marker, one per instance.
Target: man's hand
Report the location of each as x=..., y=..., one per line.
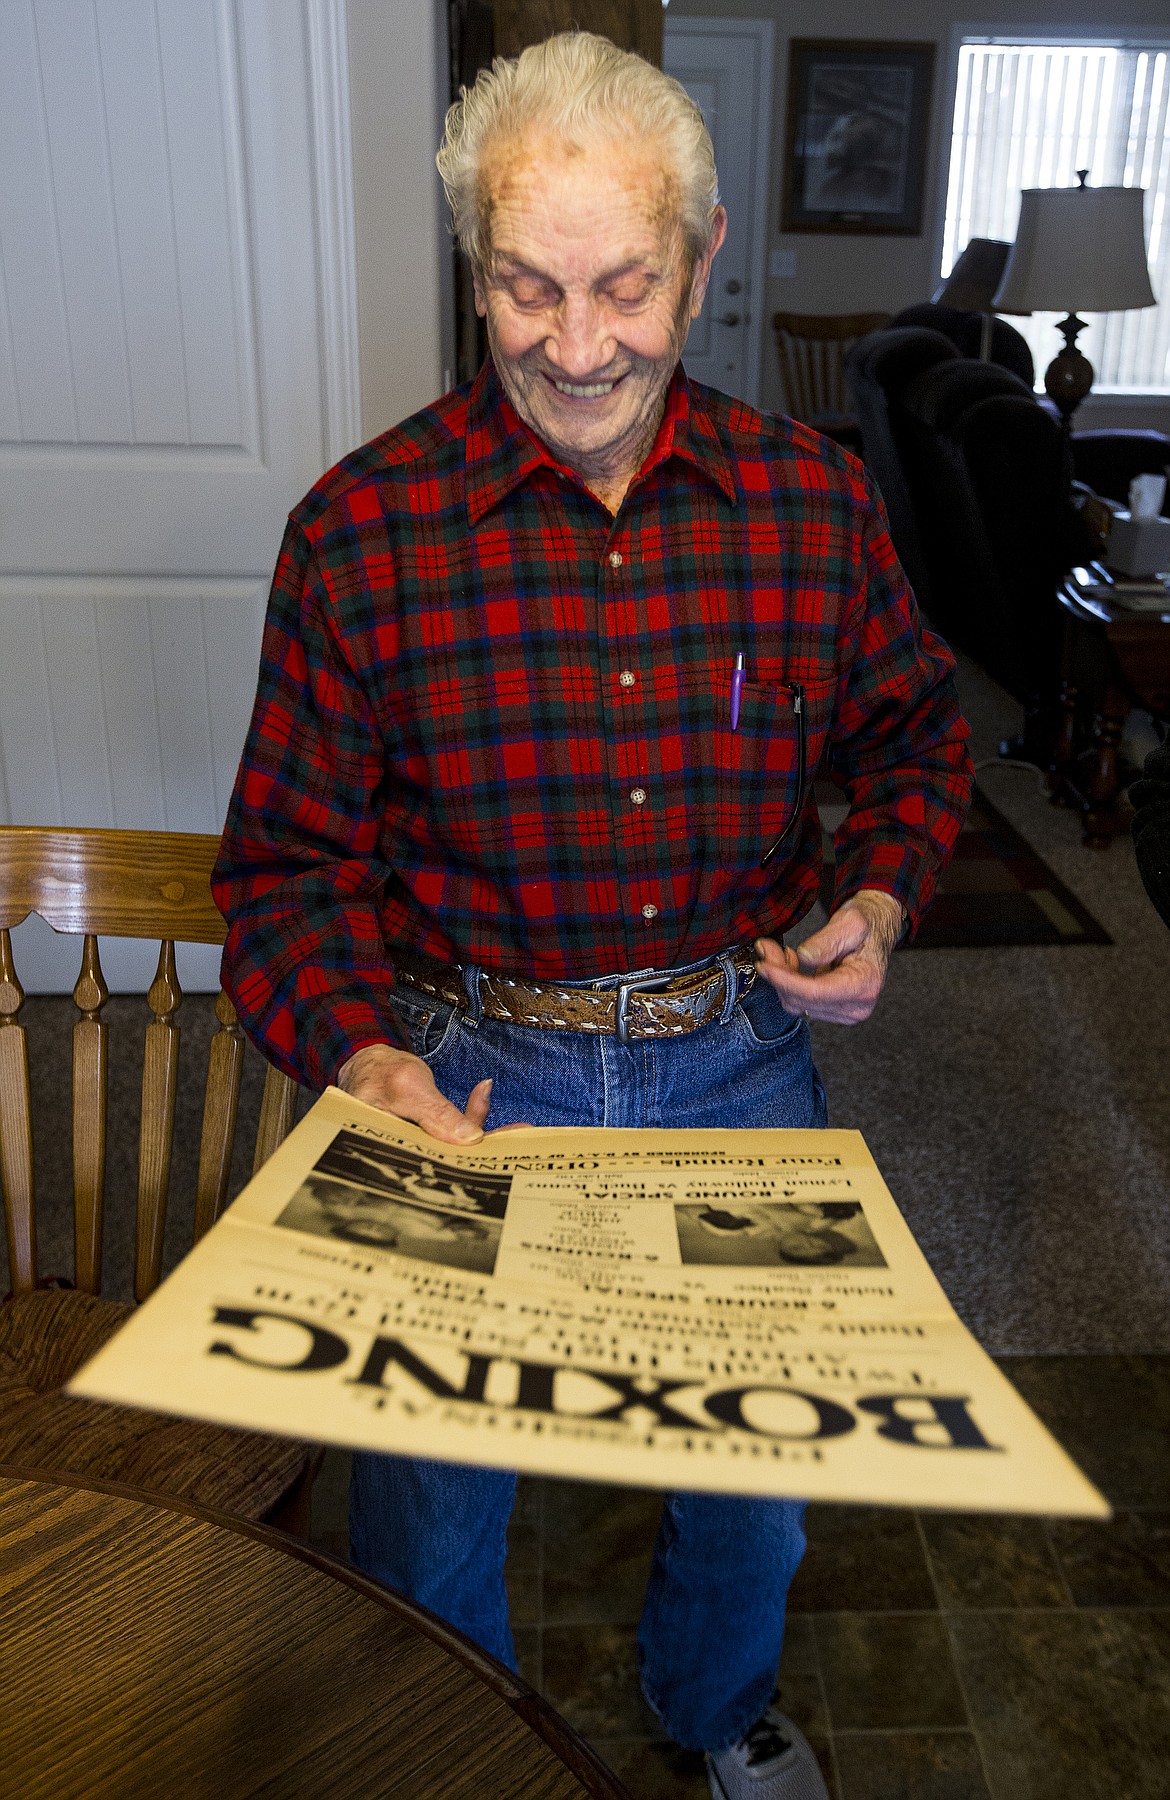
x=837, y=974
x=401, y=1083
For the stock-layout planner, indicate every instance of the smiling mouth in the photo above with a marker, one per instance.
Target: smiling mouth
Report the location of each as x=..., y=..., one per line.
x=580, y=390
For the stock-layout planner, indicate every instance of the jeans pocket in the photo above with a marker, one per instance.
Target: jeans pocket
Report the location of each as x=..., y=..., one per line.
x=433, y=1025
x=763, y=1020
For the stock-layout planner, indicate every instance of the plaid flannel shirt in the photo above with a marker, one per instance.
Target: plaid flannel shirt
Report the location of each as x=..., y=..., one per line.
x=493, y=721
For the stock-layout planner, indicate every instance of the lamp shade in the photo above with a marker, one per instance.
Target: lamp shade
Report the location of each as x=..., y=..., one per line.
x=975, y=276
x=1077, y=249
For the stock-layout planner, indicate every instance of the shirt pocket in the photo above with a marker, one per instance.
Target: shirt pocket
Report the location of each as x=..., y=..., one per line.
x=764, y=769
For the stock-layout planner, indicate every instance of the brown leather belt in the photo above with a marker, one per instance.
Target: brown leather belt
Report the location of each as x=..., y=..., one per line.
x=645, y=1006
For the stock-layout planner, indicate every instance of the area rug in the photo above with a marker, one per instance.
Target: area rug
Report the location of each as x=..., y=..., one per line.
x=996, y=890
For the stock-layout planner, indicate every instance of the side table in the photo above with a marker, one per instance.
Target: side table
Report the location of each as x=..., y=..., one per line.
x=1120, y=659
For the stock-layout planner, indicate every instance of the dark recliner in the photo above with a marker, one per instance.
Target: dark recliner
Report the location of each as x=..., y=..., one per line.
x=965, y=329
x=975, y=475
x=985, y=467
x=877, y=370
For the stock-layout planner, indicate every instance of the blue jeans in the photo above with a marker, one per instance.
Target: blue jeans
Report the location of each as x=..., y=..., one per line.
x=713, y=1620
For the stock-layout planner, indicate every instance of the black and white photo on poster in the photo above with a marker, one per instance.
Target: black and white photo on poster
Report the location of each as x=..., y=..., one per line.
x=809, y=1234
x=385, y=1197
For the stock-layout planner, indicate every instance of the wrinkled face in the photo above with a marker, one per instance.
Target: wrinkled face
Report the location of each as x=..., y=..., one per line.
x=589, y=293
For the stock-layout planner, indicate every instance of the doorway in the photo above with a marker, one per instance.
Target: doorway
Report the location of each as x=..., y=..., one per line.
x=726, y=67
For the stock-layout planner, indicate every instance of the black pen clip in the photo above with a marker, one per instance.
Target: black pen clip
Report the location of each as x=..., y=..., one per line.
x=801, y=772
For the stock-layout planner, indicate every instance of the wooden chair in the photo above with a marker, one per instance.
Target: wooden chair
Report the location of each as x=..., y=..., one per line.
x=812, y=349
x=122, y=884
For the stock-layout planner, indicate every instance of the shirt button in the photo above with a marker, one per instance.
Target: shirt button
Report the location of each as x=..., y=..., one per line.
x=627, y=678
x=638, y=796
x=615, y=559
x=649, y=912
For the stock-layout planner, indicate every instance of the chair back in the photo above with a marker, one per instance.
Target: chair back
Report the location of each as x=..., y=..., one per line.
x=134, y=884
x=1007, y=347
x=985, y=466
x=878, y=369
x=812, y=348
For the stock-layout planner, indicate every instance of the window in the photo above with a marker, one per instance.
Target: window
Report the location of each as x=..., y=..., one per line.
x=1031, y=115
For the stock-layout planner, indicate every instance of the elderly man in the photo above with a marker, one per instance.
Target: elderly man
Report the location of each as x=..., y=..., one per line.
x=526, y=803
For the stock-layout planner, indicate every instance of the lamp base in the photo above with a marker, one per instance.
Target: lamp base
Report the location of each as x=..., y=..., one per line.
x=1069, y=376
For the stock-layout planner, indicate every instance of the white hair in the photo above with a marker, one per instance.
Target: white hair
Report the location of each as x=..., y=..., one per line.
x=577, y=86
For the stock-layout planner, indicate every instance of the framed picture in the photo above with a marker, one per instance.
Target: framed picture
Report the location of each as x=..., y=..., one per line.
x=858, y=115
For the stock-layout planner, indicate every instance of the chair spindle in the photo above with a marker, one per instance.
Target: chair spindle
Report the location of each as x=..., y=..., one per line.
x=90, y=1112
x=277, y=1110
x=812, y=349
x=160, y=1069
x=225, y=1065
x=16, y=1156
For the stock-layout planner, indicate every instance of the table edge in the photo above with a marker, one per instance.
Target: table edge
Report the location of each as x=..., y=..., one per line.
x=536, y=1712
x=1074, y=604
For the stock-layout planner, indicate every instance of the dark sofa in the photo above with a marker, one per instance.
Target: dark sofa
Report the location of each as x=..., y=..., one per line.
x=979, y=486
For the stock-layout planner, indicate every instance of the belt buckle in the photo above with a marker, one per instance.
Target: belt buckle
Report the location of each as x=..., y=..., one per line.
x=623, y=991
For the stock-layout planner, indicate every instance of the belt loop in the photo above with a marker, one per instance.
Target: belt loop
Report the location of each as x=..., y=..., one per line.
x=471, y=977
x=731, y=976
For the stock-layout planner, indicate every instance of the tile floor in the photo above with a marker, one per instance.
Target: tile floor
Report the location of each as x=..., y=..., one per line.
x=927, y=1657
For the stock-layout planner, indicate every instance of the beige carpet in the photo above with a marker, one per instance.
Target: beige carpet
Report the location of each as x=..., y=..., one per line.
x=1017, y=1099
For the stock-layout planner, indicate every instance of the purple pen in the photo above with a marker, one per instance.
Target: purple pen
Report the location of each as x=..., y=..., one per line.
x=737, y=676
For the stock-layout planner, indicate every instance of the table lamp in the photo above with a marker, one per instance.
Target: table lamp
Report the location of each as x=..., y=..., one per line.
x=1076, y=247
x=972, y=283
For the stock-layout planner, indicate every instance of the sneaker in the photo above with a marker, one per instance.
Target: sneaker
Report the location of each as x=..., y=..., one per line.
x=773, y=1761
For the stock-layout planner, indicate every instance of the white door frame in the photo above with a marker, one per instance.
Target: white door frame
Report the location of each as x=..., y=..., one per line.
x=327, y=46
x=763, y=32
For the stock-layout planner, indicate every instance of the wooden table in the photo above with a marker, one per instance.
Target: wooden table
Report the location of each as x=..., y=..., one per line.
x=151, y=1649
x=1119, y=659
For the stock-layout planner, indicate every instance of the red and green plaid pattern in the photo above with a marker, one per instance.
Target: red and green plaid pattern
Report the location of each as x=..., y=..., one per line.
x=493, y=722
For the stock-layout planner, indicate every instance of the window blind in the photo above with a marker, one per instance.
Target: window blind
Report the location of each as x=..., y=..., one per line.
x=1031, y=115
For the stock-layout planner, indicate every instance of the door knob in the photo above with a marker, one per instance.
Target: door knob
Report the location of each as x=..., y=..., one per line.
x=728, y=319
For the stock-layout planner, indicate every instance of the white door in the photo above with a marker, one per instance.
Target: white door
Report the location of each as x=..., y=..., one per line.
x=170, y=384
x=726, y=67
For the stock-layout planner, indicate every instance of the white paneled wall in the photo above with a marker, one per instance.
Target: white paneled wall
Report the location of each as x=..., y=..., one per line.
x=125, y=704
x=132, y=699
x=178, y=332
x=168, y=329
x=127, y=313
